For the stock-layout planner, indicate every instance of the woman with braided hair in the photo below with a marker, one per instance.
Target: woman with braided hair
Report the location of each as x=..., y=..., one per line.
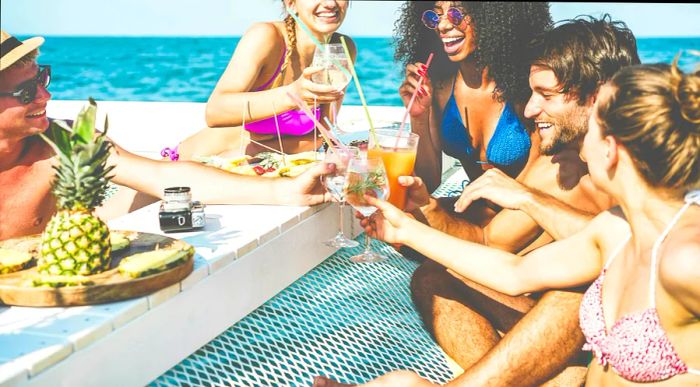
x=271, y=60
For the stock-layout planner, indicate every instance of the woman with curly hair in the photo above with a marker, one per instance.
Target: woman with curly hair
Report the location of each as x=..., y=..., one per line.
x=472, y=98
x=271, y=60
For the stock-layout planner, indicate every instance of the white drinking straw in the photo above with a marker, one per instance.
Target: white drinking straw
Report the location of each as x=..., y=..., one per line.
x=357, y=85
x=279, y=135
x=246, y=106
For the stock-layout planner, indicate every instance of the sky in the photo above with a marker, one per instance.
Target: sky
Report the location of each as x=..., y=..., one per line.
x=233, y=17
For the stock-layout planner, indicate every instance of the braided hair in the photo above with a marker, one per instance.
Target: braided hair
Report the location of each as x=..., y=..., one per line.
x=291, y=42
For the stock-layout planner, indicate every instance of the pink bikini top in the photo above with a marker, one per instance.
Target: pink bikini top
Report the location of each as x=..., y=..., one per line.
x=291, y=123
x=636, y=346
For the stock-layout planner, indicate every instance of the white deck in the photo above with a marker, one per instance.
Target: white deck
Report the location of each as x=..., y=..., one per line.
x=245, y=256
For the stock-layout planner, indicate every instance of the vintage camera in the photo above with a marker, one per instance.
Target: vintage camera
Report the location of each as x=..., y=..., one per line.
x=178, y=212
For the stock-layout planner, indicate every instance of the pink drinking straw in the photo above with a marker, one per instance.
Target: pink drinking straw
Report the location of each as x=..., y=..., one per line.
x=327, y=136
x=410, y=102
x=315, y=133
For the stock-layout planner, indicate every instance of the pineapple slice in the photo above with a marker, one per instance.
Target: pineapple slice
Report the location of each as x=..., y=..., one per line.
x=59, y=281
x=118, y=241
x=143, y=264
x=12, y=260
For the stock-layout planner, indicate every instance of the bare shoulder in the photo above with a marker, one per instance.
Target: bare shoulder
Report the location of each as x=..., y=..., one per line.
x=263, y=37
x=679, y=262
x=352, y=47
x=350, y=42
x=262, y=30
x=609, y=225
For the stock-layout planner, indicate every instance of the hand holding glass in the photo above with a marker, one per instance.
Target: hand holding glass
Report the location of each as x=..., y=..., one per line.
x=329, y=58
x=366, y=176
x=335, y=184
x=399, y=155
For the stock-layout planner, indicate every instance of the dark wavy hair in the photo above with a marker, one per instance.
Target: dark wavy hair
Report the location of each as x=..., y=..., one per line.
x=585, y=52
x=503, y=31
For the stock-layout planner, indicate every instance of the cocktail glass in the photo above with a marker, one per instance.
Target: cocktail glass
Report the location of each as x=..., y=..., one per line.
x=399, y=155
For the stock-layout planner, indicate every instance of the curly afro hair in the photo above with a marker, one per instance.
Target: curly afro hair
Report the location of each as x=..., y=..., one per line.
x=503, y=32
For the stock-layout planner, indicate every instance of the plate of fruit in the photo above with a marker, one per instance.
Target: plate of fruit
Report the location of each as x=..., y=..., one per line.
x=77, y=260
x=36, y=274
x=265, y=164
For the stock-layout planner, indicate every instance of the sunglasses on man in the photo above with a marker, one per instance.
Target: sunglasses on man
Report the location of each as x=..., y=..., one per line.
x=26, y=91
x=431, y=19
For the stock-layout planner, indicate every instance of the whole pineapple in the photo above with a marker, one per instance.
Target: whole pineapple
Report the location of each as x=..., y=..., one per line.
x=75, y=241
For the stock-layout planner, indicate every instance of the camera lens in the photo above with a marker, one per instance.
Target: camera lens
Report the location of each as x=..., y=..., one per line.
x=177, y=198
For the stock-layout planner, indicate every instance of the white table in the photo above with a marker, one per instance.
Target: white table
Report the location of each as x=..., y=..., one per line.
x=244, y=256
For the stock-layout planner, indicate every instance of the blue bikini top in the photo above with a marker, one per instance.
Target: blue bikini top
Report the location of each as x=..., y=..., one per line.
x=509, y=146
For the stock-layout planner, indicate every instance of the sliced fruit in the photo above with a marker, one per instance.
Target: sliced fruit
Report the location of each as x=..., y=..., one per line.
x=143, y=264
x=295, y=169
x=118, y=241
x=259, y=170
x=12, y=260
x=59, y=281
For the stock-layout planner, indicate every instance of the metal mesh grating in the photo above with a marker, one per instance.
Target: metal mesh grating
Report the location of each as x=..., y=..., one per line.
x=352, y=322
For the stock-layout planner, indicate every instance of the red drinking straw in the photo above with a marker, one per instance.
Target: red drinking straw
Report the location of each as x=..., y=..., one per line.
x=410, y=102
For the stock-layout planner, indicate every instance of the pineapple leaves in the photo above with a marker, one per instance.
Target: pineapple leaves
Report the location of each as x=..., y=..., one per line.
x=84, y=125
x=59, y=132
x=82, y=174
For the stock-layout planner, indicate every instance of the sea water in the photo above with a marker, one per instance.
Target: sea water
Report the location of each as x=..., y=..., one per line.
x=187, y=69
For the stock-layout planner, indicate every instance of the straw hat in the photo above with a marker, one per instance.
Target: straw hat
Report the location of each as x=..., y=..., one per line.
x=12, y=49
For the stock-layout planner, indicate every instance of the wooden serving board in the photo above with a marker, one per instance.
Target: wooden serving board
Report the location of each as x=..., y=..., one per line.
x=16, y=288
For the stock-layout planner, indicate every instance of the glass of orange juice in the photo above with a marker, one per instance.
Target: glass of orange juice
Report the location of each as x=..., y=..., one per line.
x=399, y=156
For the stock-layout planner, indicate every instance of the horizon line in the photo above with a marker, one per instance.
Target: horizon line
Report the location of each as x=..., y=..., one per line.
x=238, y=36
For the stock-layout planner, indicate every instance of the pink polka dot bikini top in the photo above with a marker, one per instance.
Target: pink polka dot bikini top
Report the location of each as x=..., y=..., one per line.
x=636, y=346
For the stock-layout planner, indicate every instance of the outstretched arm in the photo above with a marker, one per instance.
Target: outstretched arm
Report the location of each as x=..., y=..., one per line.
x=214, y=186
x=551, y=266
x=551, y=195
x=509, y=230
x=556, y=217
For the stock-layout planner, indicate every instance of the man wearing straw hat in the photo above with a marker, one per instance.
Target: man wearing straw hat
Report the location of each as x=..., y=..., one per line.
x=26, y=203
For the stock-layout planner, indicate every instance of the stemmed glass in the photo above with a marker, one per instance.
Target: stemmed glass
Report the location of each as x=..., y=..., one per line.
x=366, y=176
x=329, y=58
x=334, y=183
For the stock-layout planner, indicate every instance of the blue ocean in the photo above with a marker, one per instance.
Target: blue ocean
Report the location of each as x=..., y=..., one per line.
x=186, y=69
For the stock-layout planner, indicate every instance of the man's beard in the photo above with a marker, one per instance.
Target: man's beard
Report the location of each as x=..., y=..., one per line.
x=569, y=133
x=566, y=137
